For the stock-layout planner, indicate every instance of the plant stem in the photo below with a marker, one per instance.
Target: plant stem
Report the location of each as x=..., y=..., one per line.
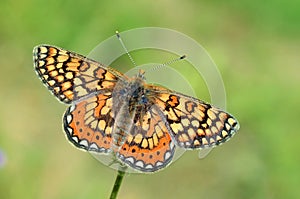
x=117, y=184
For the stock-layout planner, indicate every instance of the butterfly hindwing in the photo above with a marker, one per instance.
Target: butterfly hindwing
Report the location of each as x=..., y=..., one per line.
x=88, y=124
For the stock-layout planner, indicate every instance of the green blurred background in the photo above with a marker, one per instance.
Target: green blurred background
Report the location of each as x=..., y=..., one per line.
x=256, y=46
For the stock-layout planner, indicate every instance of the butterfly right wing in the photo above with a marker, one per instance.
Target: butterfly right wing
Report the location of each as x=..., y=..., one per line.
x=70, y=76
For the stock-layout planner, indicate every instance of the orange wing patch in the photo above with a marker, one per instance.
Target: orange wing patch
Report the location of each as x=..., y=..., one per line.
x=70, y=76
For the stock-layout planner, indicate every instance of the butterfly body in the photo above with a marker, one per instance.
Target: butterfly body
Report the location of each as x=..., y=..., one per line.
x=141, y=124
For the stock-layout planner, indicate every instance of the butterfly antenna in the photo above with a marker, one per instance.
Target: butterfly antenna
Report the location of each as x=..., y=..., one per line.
x=168, y=62
x=124, y=47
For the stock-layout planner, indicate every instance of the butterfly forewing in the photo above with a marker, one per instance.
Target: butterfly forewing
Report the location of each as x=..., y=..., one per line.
x=70, y=76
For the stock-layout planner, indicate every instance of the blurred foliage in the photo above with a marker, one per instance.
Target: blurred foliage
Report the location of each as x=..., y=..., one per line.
x=256, y=47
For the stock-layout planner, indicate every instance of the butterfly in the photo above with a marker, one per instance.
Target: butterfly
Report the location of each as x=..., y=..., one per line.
x=140, y=124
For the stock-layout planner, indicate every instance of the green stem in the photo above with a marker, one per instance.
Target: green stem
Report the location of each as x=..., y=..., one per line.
x=117, y=184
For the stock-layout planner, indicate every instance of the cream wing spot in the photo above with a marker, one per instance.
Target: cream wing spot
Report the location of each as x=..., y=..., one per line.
x=101, y=125
x=138, y=138
x=94, y=146
x=94, y=124
x=53, y=73
x=195, y=123
x=91, y=106
x=144, y=143
x=227, y=126
x=130, y=159
x=75, y=139
x=89, y=120
x=209, y=122
x=208, y=132
x=219, y=125
x=158, y=131
x=88, y=114
x=51, y=83
x=231, y=121
x=212, y=141
x=167, y=155
x=84, y=143
x=204, y=125
x=43, y=49
x=46, y=77
x=72, y=108
x=69, y=75
x=42, y=56
x=204, y=141
x=140, y=164
x=224, y=133
x=42, y=70
x=218, y=138
x=59, y=65
x=62, y=58
x=77, y=81
x=200, y=132
x=155, y=139
x=191, y=133
x=105, y=110
x=150, y=142
x=41, y=63
x=70, y=131
x=196, y=143
x=214, y=130
x=129, y=138
x=149, y=166
x=80, y=91
x=50, y=67
x=108, y=130
x=145, y=127
x=176, y=127
x=185, y=122
x=211, y=114
x=69, y=118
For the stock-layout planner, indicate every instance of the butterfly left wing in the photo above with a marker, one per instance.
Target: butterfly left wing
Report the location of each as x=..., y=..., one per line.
x=88, y=123
x=193, y=123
